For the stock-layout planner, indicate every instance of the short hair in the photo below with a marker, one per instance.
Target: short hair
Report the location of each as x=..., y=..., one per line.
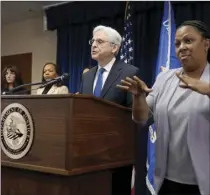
x=18, y=80
x=201, y=27
x=56, y=69
x=114, y=36
x=57, y=72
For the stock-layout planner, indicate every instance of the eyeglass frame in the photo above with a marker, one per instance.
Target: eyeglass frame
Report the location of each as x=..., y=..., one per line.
x=91, y=41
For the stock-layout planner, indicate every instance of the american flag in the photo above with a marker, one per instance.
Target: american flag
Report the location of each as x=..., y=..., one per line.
x=126, y=52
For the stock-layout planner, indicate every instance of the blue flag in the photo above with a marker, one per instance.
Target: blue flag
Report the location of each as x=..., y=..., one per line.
x=166, y=60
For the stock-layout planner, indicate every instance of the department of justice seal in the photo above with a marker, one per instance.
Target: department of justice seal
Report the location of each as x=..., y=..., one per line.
x=17, y=131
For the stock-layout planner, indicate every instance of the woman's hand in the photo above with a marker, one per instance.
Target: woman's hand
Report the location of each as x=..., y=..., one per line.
x=134, y=85
x=194, y=84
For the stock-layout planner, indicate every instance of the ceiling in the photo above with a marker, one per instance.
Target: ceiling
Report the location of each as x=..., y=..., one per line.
x=15, y=11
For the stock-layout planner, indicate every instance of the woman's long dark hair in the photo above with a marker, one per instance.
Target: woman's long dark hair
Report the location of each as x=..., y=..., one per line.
x=18, y=80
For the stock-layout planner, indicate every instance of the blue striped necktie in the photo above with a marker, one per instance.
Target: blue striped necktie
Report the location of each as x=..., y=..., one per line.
x=98, y=87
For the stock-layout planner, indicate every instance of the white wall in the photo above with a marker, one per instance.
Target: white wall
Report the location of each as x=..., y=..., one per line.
x=29, y=36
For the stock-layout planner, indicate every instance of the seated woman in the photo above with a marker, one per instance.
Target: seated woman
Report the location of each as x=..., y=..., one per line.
x=11, y=79
x=50, y=71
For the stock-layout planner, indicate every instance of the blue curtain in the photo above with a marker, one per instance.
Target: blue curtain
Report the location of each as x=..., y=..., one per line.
x=73, y=49
x=74, y=30
x=73, y=53
x=75, y=21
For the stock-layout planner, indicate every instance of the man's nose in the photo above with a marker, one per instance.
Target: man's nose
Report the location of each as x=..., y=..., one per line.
x=94, y=44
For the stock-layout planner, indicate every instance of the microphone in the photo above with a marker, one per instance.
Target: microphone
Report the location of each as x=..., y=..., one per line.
x=56, y=80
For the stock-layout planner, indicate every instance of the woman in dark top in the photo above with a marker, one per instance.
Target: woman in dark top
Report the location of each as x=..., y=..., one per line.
x=11, y=79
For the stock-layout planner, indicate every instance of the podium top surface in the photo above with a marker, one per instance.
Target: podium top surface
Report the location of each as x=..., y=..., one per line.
x=64, y=96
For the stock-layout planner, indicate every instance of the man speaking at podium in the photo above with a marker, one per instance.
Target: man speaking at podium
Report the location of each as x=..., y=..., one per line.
x=101, y=82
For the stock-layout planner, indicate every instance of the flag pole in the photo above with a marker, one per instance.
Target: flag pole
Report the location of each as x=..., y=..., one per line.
x=126, y=8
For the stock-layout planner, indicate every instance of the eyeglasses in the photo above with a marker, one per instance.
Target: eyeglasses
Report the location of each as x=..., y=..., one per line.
x=98, y=42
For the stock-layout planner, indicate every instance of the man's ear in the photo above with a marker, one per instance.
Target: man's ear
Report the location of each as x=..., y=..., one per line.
x=115, y=49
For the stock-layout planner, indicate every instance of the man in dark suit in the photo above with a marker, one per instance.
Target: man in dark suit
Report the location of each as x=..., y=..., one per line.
x=105, y=45
x=101, y=81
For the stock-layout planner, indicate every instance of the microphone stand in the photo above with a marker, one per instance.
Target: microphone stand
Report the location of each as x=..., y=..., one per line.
x=56, y=80
x=21, y=86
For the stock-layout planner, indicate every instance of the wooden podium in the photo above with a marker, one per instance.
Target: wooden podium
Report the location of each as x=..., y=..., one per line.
x=78, y=141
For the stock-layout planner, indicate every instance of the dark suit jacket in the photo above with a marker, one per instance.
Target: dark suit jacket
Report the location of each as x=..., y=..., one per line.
x=110, y=92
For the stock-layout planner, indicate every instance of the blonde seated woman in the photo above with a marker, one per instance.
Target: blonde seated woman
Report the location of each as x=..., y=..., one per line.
x=50, y=71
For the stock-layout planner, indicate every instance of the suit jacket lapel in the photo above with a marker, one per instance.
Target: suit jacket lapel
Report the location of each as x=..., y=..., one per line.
x=113, y=75
x=40, y=90
x=52, y=89
x=90, y=80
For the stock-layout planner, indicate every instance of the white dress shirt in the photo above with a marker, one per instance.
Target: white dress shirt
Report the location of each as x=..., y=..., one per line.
x=105, y=74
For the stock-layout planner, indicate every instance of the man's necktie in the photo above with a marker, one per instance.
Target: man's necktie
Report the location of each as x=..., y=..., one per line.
x=98, y=87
